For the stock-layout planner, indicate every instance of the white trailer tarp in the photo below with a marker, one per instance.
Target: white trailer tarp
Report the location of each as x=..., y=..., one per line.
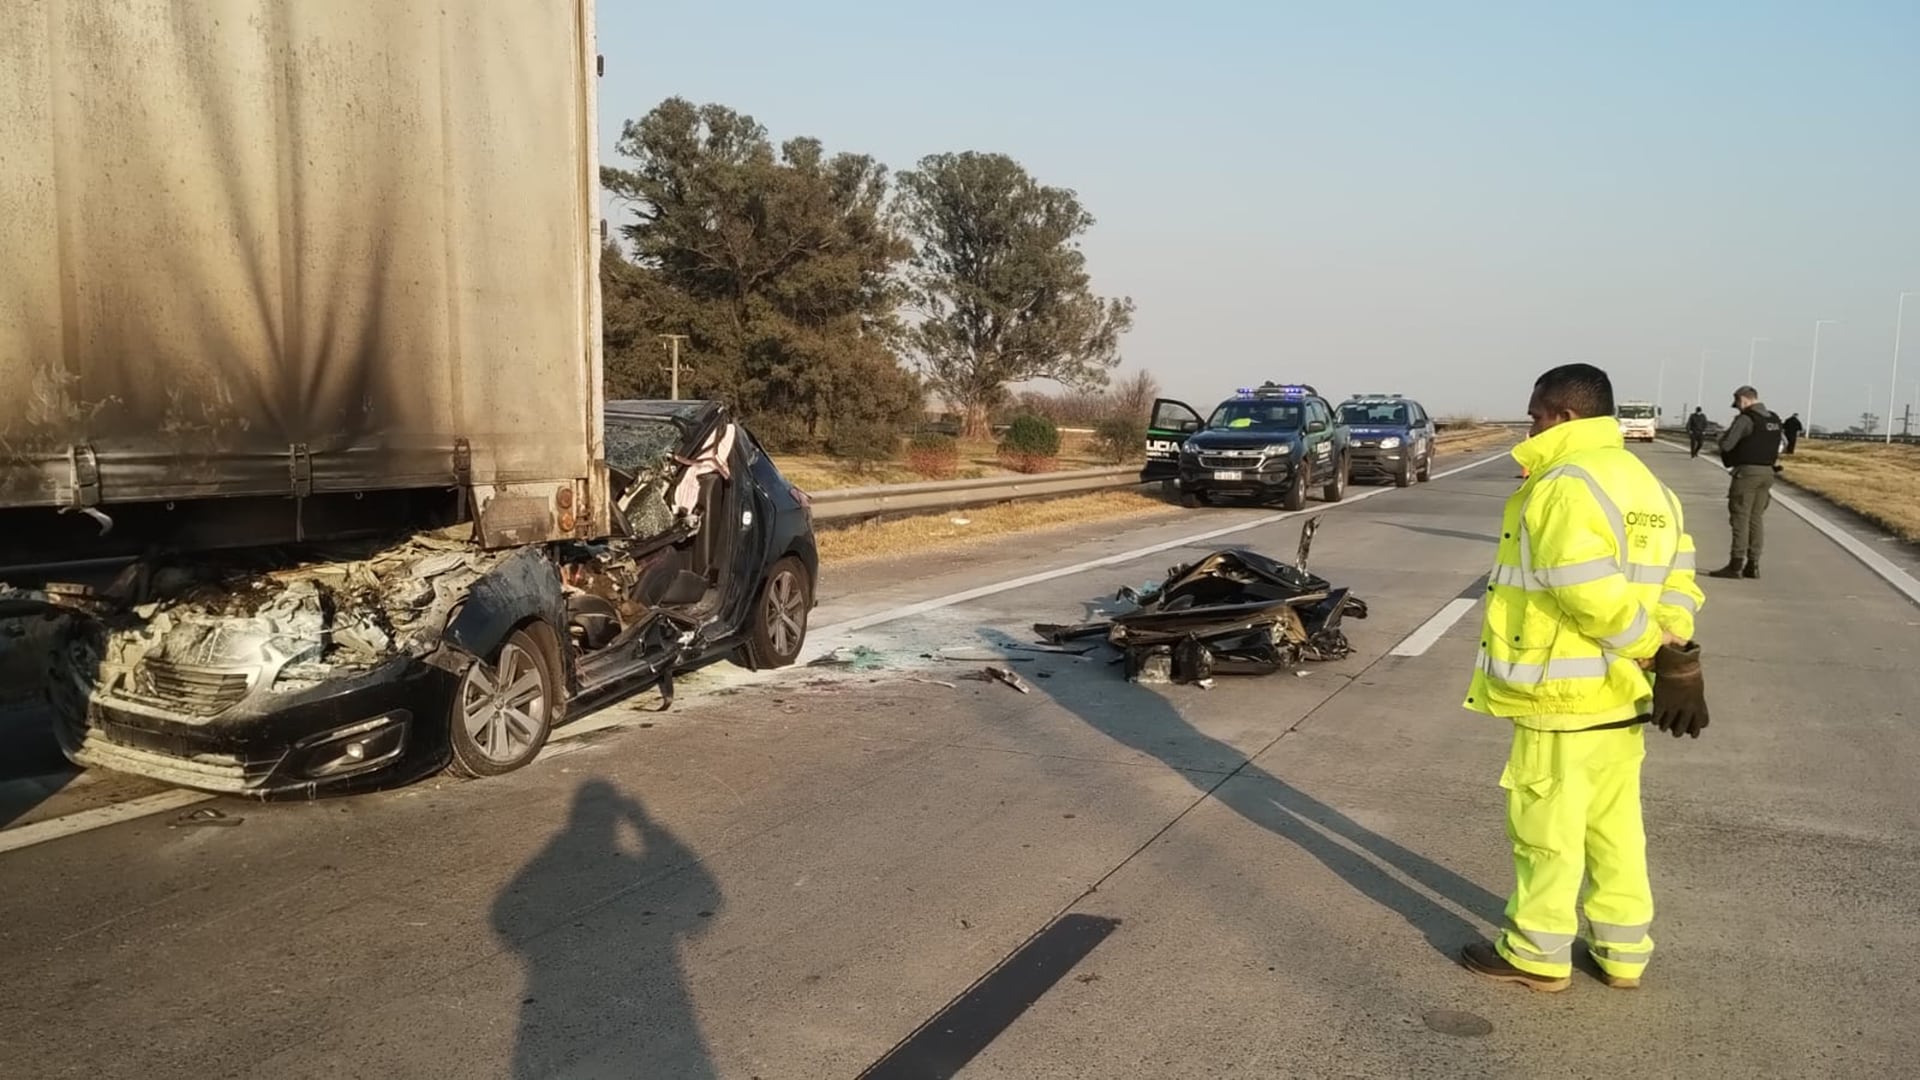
x=237, y=233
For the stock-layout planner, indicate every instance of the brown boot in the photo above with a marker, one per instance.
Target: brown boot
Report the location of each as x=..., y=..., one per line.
x=1733, y=569
x=1484, y=960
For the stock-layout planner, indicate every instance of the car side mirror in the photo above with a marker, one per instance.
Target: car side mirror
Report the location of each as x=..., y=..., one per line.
x=1315, y=427
x=1188, y=427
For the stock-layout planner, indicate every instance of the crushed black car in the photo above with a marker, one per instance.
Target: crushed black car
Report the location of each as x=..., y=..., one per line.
x=296, y=670
x=1234, y=612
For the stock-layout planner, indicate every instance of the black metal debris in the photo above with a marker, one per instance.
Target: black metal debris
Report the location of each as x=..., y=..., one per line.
x=1234, y=612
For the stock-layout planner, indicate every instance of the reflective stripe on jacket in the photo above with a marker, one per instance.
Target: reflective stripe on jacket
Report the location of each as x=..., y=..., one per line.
x=1594, y=563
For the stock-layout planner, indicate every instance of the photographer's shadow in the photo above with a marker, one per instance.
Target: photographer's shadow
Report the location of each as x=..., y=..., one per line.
x=599, y=920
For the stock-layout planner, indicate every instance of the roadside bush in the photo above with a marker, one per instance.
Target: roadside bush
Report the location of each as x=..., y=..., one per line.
x=783, y=433
x=1119, y=439
x=934, y=456
x=1031, y=445
x=864, y=442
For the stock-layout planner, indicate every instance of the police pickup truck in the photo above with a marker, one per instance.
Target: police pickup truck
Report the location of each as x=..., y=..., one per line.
x=1392, y=438
x=1265, y=443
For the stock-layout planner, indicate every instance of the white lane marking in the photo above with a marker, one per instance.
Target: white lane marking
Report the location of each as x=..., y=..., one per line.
x=1418, y=642
x=1886, y=569
x=821, y=641
x=99, y=817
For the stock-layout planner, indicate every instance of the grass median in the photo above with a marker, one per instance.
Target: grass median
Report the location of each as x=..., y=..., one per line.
x=1879, y=482
x=819, y=472
x=960, y=528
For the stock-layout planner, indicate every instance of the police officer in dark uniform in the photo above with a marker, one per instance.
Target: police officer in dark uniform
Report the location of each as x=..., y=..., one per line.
x=1749, y=448
x=1793, y=429
x=1696, y=430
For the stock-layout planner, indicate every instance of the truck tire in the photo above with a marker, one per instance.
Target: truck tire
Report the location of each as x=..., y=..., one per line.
x=1426, y=466
x=1296, y=496
x=503, y=708
x=1404, y=478
x=779, y=629
x=1336, y=488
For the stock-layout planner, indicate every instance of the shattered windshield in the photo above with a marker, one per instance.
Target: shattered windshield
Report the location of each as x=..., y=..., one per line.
x=635, y=445
x=1257, y=416
x=1385, y=414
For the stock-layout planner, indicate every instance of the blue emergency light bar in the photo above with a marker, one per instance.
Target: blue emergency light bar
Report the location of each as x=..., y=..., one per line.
x=1277, y=390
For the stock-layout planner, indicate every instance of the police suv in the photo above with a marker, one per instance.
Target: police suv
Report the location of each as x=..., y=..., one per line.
x=1271, y=442
x=1392, y=438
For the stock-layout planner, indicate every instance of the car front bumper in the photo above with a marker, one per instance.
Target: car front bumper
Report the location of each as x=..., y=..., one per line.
x=1376, y=462
x=359, y=733
x=1270, y=478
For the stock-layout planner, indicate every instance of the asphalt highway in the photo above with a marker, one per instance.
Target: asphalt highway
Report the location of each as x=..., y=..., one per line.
x=886, y=868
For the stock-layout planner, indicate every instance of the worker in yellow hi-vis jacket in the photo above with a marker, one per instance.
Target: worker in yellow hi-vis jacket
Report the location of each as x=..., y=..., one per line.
x=1588, y=637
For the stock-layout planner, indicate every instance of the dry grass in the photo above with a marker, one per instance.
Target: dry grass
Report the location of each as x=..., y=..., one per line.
x=1880, y=483
x=818, y=472
x=932, y=531
x=1467, y=438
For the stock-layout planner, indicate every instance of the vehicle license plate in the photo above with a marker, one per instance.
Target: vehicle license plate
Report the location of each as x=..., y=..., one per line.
x=1226, y=474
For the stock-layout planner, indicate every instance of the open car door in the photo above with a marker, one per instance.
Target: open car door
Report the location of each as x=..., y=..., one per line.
x=1167, y=431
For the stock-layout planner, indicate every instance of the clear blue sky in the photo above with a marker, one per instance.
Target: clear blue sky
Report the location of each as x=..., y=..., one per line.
x=1440, y=199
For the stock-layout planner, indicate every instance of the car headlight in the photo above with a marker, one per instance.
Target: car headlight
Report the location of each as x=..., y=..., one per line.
x=1390, y=442
x=1277, y=450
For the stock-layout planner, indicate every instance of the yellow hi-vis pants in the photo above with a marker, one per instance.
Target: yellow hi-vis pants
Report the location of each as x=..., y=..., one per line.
x=1573, y=810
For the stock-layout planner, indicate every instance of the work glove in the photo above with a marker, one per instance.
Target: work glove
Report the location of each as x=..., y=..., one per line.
x=1679, y=691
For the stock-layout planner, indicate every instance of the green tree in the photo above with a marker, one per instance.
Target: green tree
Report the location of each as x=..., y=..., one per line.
x=1001, y=285
x=779, y=265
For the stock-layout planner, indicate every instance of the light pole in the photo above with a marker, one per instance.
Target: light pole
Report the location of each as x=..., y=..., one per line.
x=1660, y=391
x=1813, y=369
x=1752, y=346
x=1899, y=323
x=673, y=343
x=1700, y=392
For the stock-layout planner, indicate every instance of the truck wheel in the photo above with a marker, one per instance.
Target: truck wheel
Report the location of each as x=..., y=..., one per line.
x=780, y=618
x=1404, y=478
x=1426, y=467
x=503, y=709
x=1336, y=488
x=1296, y=496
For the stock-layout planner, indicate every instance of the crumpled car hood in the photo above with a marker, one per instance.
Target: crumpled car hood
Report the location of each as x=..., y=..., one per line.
x=1234, y=612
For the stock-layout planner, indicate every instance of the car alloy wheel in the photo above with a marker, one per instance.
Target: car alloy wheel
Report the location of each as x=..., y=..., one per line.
x=779, y=628
x=786, y=612
x=503, y=708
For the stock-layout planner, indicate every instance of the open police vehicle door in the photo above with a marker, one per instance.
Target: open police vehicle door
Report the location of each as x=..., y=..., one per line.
x=1167, y=431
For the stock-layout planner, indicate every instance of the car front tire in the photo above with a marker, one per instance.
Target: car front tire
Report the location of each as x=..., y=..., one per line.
x=1336, y=488
x=1296, y=496
x=503, y=708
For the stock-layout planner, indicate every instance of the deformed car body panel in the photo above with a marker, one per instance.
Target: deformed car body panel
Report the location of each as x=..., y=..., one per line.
x=1233, y=612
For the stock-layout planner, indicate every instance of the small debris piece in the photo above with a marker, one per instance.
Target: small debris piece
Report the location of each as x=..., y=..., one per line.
x=933, y=682
x=1001, y=674
x=1066, y=649
x=858, y=658
x=205, y=815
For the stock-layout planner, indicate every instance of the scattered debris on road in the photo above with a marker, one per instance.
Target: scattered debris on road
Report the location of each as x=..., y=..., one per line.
x=857, y=658
x=1234, y=612
x=206, y=815
x=1004, y=675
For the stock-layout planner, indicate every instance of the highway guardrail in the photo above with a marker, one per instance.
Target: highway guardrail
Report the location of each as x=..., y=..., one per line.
x=839, y=506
